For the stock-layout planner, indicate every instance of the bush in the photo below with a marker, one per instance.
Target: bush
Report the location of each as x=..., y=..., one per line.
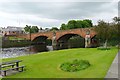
x=103, y=48
x=75, y=65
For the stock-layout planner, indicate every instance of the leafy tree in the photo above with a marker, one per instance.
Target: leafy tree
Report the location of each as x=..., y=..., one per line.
x=27, y=28
x=73, y=24
x=103, y=31
x=54, y=29
x=33, y=29
x=117, y=26
x=85, y=24
x=89, y=22
x=79, y=24
x=116, y=19
x=63, y=27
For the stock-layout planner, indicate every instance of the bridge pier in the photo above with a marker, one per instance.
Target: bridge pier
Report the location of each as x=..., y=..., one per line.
x=87, y=40
x=54, y=42
x=63, y=45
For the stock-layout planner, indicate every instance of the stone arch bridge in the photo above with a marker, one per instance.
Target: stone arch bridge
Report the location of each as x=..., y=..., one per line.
x=60, y=36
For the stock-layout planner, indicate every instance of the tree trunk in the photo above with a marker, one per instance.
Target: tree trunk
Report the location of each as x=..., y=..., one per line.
x=105, y=44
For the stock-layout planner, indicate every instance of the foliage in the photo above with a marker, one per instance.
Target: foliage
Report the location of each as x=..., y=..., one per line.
x=63, y=27
x=73, y=24
x=103, y=48
x=116, y=19
x=27, y=28
x=107, y=33
x=103, y=31
x=15, y=43
x=76, y=65
x=33, y=29
x=54, y=29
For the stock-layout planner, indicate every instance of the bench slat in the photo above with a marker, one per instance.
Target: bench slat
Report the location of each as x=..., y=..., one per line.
x=13, y=68
x=7, y=65
x=4, y=71
x=10, y=62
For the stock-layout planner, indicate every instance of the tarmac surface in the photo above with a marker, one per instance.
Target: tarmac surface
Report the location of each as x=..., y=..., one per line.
x=113, y=70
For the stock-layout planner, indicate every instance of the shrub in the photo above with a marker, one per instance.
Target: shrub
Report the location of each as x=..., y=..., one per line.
x=75, y=65
x=103, y=48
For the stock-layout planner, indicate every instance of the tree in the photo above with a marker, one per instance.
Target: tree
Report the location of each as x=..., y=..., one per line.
x=79, y=24
x=63, y=27
x=27, y=28
x=89, y=22
x=116, y=19
x=103, y=31
x=73, y=24
x=85, y=24
x=54, y=29
x=33, y=29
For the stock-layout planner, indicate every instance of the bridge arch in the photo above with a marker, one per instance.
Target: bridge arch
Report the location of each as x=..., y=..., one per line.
x=40, y=38
x=67, y=36
x=63, y=41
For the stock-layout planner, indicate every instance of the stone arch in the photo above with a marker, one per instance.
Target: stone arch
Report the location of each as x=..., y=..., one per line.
x=40, y=38
x=67, y=36
x=63, y=40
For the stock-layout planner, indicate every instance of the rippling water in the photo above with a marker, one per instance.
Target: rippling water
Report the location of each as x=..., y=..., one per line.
x=19, y=51
x=15, y=52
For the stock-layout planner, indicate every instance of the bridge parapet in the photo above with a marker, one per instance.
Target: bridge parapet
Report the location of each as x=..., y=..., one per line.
x=60, y=34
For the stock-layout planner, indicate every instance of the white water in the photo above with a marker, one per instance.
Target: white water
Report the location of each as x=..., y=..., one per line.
x=18, y=51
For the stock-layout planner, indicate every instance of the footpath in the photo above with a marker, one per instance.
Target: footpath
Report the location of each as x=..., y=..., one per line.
x=113, y=70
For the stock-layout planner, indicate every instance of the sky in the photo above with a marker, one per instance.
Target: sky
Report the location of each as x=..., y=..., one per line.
x=52, y=13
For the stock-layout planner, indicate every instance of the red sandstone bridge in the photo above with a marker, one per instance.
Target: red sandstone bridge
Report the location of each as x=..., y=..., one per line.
x=59, y=36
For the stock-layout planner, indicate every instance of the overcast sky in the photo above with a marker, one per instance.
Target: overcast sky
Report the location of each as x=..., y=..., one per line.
x=54, y=13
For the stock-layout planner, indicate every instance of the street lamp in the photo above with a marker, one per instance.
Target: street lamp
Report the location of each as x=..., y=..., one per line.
x=30, y=37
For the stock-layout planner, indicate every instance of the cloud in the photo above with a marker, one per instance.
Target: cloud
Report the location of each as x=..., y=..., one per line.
x=48, y=14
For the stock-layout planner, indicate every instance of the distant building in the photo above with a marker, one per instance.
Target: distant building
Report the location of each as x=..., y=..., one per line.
x=1, y=31
x=11, y=31
x=44, y=30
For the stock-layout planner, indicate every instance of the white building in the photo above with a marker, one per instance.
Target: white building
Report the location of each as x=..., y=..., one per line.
x=11, y=30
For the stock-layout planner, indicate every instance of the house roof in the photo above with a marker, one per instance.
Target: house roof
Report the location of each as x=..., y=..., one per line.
x=10, y=28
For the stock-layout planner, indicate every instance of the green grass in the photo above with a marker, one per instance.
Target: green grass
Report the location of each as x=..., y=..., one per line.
x=46, y=65
x=15, y=38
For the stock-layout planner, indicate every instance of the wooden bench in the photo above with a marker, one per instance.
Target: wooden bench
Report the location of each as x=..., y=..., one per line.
x=10, y=66
x=20, y=69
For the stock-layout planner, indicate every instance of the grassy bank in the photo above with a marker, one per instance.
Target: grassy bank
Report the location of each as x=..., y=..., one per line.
x=15, y=43
x=46, y=64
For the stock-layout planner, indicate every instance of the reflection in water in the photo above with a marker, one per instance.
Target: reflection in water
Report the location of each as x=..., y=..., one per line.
x=38, y=48
x=21, y=51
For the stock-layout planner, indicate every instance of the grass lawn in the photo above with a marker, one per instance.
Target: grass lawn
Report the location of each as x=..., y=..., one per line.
x=15, y=38
x=46, y=65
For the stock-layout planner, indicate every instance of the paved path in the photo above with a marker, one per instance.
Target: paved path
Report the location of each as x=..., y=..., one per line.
x=113, y=70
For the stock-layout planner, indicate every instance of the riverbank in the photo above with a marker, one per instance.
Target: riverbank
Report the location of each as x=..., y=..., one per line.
x=15, y=43
x=48, y=63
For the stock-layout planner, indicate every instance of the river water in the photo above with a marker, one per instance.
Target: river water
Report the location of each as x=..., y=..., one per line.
x=20, y=51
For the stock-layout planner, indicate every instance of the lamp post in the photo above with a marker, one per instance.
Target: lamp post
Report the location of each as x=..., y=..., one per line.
x=118, y=34
x=30, y=37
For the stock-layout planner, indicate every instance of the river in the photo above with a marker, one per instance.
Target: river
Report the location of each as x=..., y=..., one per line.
x=21, y=51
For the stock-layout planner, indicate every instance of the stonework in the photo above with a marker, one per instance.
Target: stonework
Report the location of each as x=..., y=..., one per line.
x=58, y=34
